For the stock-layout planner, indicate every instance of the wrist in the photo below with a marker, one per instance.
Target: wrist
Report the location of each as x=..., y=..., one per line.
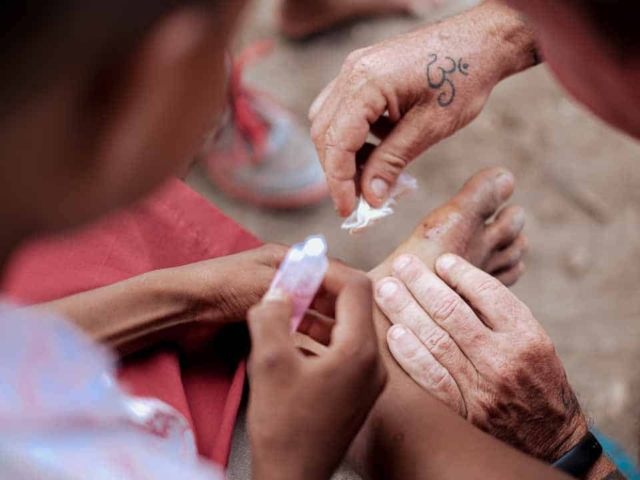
x=509, y=37
x=159, y=310
x=568, y=438
x=603, y=469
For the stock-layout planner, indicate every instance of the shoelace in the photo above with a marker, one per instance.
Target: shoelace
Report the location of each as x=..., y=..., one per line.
x=252, y=127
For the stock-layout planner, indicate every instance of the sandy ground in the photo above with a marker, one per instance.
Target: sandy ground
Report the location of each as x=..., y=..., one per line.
x=577, y=179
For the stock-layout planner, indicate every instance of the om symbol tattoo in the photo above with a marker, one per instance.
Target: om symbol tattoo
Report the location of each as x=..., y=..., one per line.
x=439, y=77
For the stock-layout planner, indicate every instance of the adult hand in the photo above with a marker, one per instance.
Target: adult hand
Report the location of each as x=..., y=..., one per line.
x=470, y=342
x=430, y=82
x=304, y=411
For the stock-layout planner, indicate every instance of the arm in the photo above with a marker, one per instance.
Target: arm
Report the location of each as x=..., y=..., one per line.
x=500, y=373
x=184, y=305
x=142, y=311
x=432, y=82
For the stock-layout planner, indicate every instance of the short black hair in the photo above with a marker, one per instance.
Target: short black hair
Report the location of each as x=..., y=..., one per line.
x=616, y=20
x=40, y=40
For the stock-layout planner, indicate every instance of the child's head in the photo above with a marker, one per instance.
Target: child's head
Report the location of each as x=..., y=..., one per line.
x=102, y=100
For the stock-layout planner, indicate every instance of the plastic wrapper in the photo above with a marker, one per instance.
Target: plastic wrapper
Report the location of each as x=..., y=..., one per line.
x=301, y=273
x=63, y=416
x=365, y=216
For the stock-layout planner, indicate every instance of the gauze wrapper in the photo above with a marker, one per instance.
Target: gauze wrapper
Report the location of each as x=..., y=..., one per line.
x=364, y=216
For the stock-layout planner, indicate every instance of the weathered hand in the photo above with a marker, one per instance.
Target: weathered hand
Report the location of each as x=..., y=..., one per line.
x=304, y=411
x=470, y=342
x=430, y=82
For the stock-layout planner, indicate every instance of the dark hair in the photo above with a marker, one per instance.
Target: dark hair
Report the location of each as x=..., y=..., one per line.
x=616, y=20
x=41, y=40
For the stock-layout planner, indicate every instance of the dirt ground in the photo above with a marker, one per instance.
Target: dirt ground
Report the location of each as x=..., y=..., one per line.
x=578, y=180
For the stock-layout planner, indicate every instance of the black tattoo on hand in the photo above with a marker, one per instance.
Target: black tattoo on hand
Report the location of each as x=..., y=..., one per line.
x=438, y=77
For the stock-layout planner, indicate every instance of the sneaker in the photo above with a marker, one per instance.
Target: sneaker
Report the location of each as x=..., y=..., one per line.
x=261, y=154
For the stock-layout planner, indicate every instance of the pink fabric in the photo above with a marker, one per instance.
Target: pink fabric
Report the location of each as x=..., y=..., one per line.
x=174, y=227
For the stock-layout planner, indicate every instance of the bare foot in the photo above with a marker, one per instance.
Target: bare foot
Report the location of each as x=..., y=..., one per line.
x=465, y=225
x=299, y=19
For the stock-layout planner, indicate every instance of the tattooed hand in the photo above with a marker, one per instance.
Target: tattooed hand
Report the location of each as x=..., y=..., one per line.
x=430, y=82
x=485, y=356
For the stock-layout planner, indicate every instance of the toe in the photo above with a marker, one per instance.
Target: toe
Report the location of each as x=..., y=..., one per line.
x=505, y=259
x=486, y=192
x=511, y=276
x=505, y=229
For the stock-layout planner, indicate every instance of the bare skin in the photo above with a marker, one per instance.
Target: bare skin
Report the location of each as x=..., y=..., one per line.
x=299, y=19
x=459, y=226
x=406, y=421
x=431, y=82
x=466, y=225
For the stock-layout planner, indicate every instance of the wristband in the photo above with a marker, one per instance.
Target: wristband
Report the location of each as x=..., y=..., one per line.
x=580, y=459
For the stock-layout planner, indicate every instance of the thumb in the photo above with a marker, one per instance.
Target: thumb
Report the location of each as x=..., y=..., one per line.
x=402, y=145
x=269, y=324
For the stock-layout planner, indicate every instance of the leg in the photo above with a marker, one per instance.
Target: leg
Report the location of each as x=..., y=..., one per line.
x=407, y=422
x=464, y=226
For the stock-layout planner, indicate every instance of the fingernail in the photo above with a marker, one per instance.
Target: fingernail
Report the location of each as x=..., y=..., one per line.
x=380, y=188
x=401, y=262
x=505, y=179
x=275, y=295
x=445, y=262
x=387, y=288
x=519, y=219
x=398, y=332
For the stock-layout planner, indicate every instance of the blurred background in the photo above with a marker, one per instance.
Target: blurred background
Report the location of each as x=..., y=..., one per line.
x=578, y=180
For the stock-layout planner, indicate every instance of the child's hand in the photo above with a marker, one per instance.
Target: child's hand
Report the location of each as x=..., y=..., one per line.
x=305, y=411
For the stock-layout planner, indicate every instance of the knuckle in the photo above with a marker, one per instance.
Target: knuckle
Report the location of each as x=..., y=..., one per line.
x=447, y=308
x=352, y=59
x=394, y=163
x=538, y=345
x=357, y=61
x=435, y=377
x=274, y=252
x=488, y=287
x=439, y=342
x=270, y=360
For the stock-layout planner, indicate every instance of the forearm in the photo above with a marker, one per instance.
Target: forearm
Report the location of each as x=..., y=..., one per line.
x=436, y=444
x=136, y=313
x=511, y=36
x=605, y=469
x=503, y=39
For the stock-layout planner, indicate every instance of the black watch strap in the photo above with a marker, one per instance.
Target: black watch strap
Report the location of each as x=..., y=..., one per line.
x=580, y=459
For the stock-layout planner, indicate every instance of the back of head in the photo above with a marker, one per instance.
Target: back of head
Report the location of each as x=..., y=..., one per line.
x=102, y=100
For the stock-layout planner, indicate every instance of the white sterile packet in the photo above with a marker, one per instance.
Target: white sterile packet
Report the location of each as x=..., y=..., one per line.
x=64, y=416
x=364, y=216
